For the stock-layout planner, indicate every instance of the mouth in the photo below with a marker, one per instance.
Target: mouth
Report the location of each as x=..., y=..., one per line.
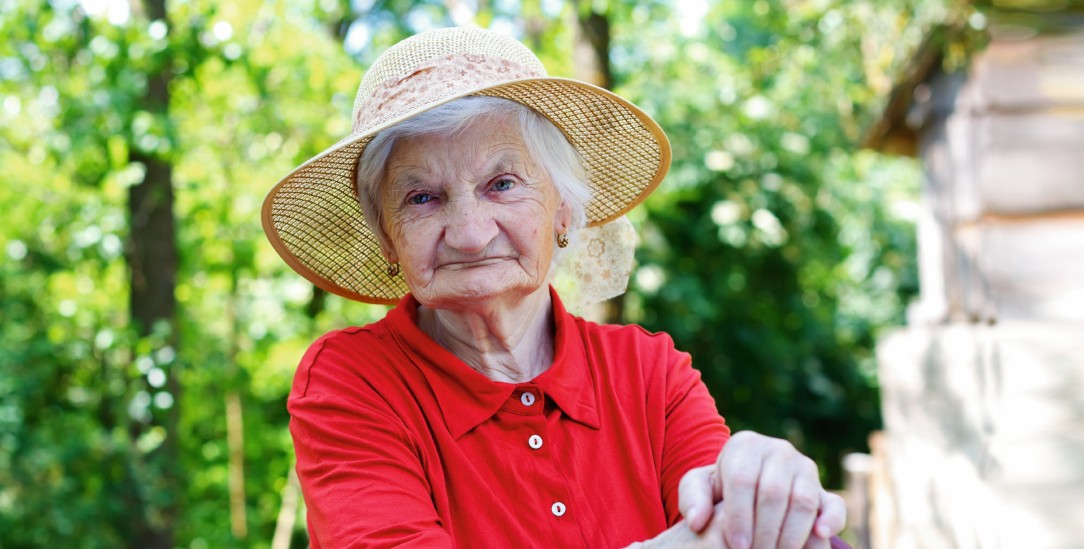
x=473, y=264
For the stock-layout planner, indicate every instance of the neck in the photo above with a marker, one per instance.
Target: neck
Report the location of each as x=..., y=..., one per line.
x=511, y=342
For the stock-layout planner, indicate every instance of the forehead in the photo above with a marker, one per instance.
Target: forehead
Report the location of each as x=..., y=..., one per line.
x=486, y=142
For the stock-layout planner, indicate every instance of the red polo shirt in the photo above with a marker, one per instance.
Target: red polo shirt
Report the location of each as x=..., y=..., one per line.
x=401, y=443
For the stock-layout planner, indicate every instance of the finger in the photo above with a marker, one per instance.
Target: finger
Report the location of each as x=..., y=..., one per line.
x=832, y=517
x=714, y=535
x=739, y=471
x=802, y=508
x=773, y=498
x=695, y=497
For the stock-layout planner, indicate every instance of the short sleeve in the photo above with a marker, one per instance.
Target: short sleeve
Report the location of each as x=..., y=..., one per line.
x=694, y=430
x=361, y=472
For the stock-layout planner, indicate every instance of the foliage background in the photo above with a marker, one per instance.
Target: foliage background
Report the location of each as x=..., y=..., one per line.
x=774, y=252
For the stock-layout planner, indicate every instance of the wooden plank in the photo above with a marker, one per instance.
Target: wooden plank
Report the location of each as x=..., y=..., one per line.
x=1034, y=269
x=1044, y=71
x=1029, y=163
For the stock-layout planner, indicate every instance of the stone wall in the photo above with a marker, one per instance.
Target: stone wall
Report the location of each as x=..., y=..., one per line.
x=984, y=391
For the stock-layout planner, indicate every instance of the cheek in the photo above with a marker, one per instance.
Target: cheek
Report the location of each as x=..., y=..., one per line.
x=411, y=242
x=539, y=239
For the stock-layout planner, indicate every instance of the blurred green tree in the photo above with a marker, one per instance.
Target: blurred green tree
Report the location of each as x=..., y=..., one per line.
x=88, y=390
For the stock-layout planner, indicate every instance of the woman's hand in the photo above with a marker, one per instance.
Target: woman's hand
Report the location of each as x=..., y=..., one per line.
x=681, y=536
x=771, y=497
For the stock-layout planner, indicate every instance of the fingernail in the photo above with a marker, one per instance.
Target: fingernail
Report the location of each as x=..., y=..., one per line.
x=691, y=515
x=741, y=541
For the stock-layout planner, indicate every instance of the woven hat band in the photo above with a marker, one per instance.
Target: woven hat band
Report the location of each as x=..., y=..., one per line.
x=436, y=80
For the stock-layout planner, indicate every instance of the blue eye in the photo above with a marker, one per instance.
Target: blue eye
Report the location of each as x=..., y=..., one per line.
x=420, y=198
x=504, y=184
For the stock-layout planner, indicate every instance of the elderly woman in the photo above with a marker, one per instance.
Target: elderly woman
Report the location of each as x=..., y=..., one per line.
x=479, y=412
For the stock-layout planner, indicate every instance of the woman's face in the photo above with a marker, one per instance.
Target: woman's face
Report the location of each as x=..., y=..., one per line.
x=470, y=218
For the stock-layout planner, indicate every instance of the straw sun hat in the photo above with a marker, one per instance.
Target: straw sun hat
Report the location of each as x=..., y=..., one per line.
x=312, y=216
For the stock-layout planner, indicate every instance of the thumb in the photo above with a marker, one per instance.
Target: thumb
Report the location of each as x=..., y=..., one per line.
x=695, y=497
x=832, y=517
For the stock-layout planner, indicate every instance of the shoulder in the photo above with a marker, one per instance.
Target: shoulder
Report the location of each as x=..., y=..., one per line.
x=630, y=353
x=629, y=337
x=343, y=358
x=609, y=337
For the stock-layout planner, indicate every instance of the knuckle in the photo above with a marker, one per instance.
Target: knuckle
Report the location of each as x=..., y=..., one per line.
x=836, y=500
x=744, y=480
x=805, y=501
x=773, y=492
x=739, y=439
x=742, y=435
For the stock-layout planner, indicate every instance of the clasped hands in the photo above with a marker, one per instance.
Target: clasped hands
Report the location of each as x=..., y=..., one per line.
x=760, y=493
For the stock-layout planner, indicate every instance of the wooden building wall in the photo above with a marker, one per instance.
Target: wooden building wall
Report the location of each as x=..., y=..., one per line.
x=983, y=392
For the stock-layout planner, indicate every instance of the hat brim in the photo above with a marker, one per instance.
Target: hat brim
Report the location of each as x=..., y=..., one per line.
x=314, y=222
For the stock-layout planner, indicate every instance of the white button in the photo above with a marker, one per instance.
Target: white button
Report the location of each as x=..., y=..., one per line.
x=527, y=399
x=558, y=509
x=535, y=441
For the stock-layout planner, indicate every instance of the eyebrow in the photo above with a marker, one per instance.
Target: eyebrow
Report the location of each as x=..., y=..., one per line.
x=407, y=178
x=400, y=183
x=505, y=163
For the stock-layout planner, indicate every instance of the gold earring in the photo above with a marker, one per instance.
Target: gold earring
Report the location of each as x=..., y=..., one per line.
x=393, y=269
x=562, y=240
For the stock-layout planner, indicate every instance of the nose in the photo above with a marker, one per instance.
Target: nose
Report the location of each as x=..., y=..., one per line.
x=470, y=226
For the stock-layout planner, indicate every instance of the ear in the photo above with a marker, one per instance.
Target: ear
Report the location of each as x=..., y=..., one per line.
x=562, y=219
x=386, y=249
x=389, y=254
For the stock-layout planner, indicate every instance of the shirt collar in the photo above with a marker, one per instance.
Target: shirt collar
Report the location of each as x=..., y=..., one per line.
x=570, y=381
x=467, y=398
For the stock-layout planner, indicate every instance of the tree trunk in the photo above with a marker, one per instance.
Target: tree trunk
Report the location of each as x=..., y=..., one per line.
x=316, y=303
x=591, y=47
x=152, y=254
x=152, y=262
x=291, y=502
x=236, y=442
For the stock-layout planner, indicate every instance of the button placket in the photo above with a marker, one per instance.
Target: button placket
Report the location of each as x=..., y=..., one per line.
x=535, y=428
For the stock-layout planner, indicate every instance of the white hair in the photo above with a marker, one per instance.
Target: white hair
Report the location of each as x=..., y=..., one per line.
x=550, y=148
